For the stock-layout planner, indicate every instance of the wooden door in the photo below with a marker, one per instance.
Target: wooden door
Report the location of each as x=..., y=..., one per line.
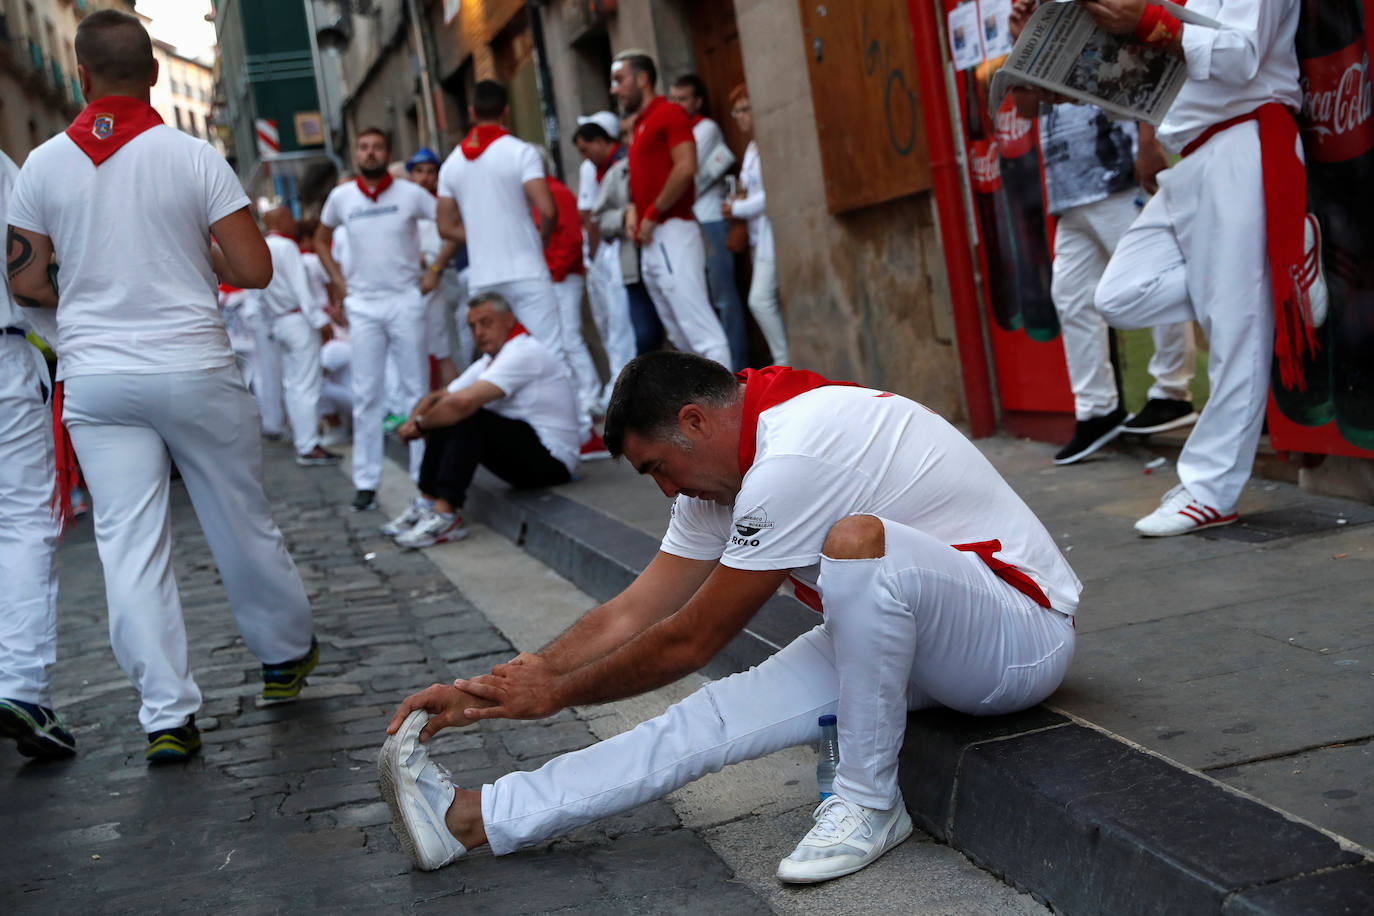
x=715, y=45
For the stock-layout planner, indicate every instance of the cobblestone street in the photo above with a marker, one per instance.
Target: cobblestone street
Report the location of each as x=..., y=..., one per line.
x=281, y=810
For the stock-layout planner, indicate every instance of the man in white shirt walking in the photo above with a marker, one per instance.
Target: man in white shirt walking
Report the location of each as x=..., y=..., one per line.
x=129, y=205
x=938, y=585
x=28, y=536
x=714, y=161
x=512, y=411
x=291, y=307
x=382, y=298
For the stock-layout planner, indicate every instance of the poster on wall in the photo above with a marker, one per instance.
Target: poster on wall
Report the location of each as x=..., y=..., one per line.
x=1334, y=412
x=965, y=38
x=996, y=17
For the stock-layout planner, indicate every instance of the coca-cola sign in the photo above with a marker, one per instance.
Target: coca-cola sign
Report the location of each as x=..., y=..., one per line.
x=984, y=160
x=1013, y=131
x=1337, y=104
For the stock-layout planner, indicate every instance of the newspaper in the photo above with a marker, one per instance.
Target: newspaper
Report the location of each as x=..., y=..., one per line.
x=1061, y=49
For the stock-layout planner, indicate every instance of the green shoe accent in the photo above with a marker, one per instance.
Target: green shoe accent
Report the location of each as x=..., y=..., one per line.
x=282, y=682
x=36, y=729
x=392, y=423
x=171, y=745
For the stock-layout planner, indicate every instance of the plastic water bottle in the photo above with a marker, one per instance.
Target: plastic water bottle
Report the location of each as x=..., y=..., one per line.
x=829, y=757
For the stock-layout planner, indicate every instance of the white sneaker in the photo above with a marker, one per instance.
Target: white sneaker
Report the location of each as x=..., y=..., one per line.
x=419, y=793
x=847, y=836
x=1180, y=513
x=405, y=521
x=1311, y=276
x=434, y=528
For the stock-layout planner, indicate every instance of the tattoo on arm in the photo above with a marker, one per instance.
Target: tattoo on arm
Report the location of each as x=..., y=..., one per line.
x=20, y=252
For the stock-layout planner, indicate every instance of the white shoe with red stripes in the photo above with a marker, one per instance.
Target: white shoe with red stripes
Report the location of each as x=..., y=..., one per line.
x=1311, y=276
x=1180, y=513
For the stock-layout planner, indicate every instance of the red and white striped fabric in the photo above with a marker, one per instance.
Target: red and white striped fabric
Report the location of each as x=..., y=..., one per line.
x=269, y=142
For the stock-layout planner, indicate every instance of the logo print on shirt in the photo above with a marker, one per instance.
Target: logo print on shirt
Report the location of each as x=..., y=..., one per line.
x=103, y=127
x=752, y=522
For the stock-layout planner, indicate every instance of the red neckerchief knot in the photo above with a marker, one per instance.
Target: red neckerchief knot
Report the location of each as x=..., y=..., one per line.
x=480, y=137
x=765, y=388
x=372, y=194
x=105, y=125
x=516, y=332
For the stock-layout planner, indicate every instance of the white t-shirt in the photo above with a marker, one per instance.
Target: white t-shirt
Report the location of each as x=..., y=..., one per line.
x=840, y=451
x=503, y=243
x=317, y=277
x=1250, y=60
x=290, y=289
x=137, y=290
x=383, y=238
x=537, y=389
x=587, y=185
x=710, y=145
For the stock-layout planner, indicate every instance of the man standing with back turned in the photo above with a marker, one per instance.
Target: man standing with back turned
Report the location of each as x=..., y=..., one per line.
x=129, y=206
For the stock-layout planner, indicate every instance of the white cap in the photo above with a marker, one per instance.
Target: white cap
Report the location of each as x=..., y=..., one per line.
x=606, y=120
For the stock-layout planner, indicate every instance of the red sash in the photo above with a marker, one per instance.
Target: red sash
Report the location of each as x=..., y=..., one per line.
x=765, y=388
x=105, y=125
x=479, y=138
x=67, y=474
x=1285, y=216
x=382, y=185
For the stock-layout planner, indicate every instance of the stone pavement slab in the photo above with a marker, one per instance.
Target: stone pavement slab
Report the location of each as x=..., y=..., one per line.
x=281, y=811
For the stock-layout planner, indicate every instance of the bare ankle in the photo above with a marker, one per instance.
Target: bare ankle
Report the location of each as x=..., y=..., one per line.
x=464, y=818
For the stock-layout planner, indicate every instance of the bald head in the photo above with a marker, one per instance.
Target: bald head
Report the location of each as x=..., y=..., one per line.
x=116, y=54
x=279, y=219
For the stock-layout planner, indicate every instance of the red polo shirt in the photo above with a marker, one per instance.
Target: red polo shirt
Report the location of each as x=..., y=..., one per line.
x=563, y=254
x=661, y=126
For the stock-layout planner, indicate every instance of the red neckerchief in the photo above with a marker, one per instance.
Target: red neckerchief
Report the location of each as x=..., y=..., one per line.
x=696, y=119
x=227, y=289
x=105, y=125
x=765, y=388
x=1285, y=216
x=516, y=332
x=611, y=160
x=479, y=138
x=384, y=183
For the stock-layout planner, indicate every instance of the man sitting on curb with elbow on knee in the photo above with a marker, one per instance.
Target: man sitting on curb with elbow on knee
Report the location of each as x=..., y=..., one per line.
x=938, y=585
x=513, y=411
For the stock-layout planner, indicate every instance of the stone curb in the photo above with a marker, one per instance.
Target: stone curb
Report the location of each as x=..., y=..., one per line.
x=1086, y=821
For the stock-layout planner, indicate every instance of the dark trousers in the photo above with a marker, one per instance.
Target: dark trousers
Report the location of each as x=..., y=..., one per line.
x=508, y=448
x=644, y=318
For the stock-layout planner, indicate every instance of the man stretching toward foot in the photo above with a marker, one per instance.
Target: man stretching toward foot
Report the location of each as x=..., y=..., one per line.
x=938, y=585
x=514, y=411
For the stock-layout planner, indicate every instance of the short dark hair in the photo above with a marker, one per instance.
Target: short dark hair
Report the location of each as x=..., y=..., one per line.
x=489, y=100
x=591, y=131
x=694, y=82
x=641, y=63
x=367, y=131
x=653, y=388
x=115, y=48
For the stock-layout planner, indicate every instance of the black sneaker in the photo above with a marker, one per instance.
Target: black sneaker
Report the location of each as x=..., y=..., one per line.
x=1160, y=414
x=364, y=500
x=36, y=729
x=284, y=681
x=173, y=745
x=1090, y=435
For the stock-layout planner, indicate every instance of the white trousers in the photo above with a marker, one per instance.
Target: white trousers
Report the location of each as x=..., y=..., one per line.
x=28, y=529
x=1198, y=251
x=763, y=305
x=535, y=304
x=569, y=293
x=462, y=349
x=127, y=429
x=379, y=329
x=266, y=375
x=298, y=344
x=1083, y=244
x=925, y=625
x=673, y=266
x=438, y=313
x=610, y=307
x=336, y=391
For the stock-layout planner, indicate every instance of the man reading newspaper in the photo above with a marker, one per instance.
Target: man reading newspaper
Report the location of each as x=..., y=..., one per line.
x=1227, y=240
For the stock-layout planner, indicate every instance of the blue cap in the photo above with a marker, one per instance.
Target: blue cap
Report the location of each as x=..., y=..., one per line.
x=423, y=155
x=827, y=720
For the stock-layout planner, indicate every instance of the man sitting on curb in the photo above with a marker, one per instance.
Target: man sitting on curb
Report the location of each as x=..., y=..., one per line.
x=939, y=585
x=513, y=411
